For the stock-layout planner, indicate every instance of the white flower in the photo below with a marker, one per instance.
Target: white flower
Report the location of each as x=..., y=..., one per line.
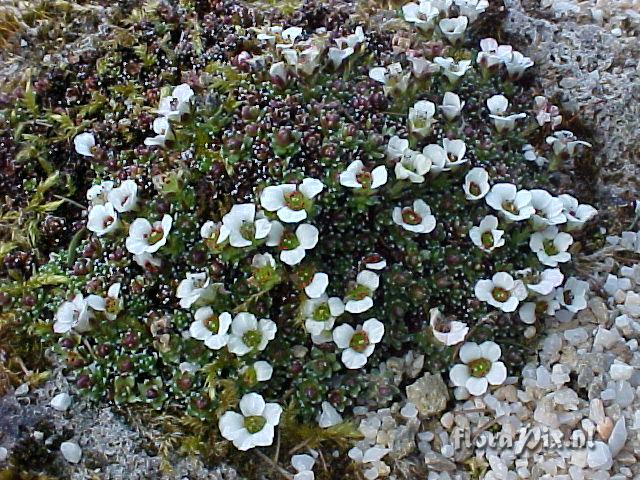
x=455, y=151
x=453, y=28
x=292, y=246
x=352, y=40
x=124, y=197
x=192, y=288
x=98, y=193
x=374, y=262
x=250, y=335
x=564, y=141
x=260, y=371
x=304, y=62
x=278, y=72
x=113, y=303
x=577, y=214
x=437, y=157
x=211, y=328
x=551, y=246
x=491, y=53
x=162, y=129
x=177, y=103
x=451, y=105
x=397, y=147
x=317, y=286
x=502, y=291
x=498, y=105
x=421, y=66
x=547, y=281
x=269, y=33
x=487, y=236
x=358, y=177
x=472, y=8
x=549, y=209
x=412, y=166
x=145, y=237
x=320, y=315
x=530, y=155
x=339, y=55
x=214, y=233
x=514, y=204
x=449, y=333
x=476, y=183
x=255, y=426
x=359, y=298
x=479, y=368
x=76, y=314
x=422, y=15
x=358, y=344
x=85, y=143
x=289, y=201
x=573, y=296
x=391, y=77
x=416, y=219
x=102, y=219
x=303, y=465
x=421, y=117
x=516, y=64
x=244, y=225
x=148, y=261
x=544, y=305
x=451, y=69
x=546, y=112
x=290, y=34
x=329, y=416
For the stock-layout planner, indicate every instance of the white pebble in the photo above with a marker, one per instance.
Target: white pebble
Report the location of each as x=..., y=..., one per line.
x=61, y=402
x=71, y=451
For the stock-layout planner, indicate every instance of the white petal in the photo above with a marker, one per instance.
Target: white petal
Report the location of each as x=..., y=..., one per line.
x=292, y=257
x=252, y=404
x=243, y=322
x=263, y=370
x=318, y=285
x=231, y=425
x=369, y=279
x=498, y=374
x=459, y=374
x=477, y=386
x=374, y=329
x=342, y=335
x=307, y=236
x=359, y=306
x=352, y=359
x=311, y=187
x=490, y=350
x=469, y=352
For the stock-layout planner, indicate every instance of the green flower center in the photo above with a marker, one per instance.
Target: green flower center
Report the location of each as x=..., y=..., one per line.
x=411, y=217
x=549, y=248
x=252, y=338
x=365, y=179
x=212, y=323
x=474, y=189
x=294, y=200
x=155, y=236
x=111, y=305
x=247, y=230
x=487, y=239
x=500, y=294
x=289, y=241
x=250, y=377
x=255, y=423
x=479, y=367
x=359, y=292
x=360, y=341
x=508, y=206
x=264, y=274
x=322, y=313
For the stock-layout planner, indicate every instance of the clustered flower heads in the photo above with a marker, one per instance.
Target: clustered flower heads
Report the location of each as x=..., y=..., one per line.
x=301, y=207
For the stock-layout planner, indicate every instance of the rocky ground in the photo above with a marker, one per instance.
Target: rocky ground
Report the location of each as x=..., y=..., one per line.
x=577, y=402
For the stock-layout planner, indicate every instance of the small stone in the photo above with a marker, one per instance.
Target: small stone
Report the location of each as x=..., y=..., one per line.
x=22, y=390
x=447, y=420
x=560, y=374
x=409, y=410
x=599, y=309
x=329, y=416
x=438, y=462
x=618, y=437
x=620, y=371
x=61, y=402
x=604, y=428
x=576, y=336
x=71, y=451
x=596, y=410
x=599, y=456
x=429, y=394
x=605, y=339
x=3, y=454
